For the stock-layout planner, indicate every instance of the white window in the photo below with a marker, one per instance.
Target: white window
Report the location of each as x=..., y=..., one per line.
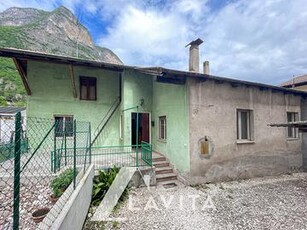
x=162, y=128
x=292, y=132
x=244, y=124
x=64, y=126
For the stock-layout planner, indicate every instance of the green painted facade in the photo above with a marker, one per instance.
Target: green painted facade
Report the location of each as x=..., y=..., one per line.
x=52, y=94
x=170, y=100
x=136, y=86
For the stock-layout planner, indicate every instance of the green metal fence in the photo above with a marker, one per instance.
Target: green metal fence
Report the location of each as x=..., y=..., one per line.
x=40, y=151
x=146, y=154
x=25, y=167
x=7, y=149
x=72, y=147
x=104, y=157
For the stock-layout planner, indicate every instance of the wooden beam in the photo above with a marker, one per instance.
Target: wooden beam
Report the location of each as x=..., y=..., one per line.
x=23, y=75
x=72, y=80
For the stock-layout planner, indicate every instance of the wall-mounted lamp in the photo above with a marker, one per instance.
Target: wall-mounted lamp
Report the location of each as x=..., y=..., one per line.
x=142, y=101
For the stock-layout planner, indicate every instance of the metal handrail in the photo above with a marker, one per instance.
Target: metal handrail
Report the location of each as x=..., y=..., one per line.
x=146, y=152
x=106, y=119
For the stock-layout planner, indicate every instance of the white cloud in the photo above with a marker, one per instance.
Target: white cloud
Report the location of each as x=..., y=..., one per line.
x=39, y=4
x=255, y=40
x=271, y=37
x=145, y=35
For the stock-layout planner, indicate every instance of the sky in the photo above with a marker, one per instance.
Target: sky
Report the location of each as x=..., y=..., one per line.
x=254, y=40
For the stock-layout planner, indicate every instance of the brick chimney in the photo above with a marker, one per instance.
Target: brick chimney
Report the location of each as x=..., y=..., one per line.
x=206, y=67
x=194, y=55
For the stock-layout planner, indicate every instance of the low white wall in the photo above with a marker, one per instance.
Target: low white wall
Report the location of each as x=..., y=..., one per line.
x=74, y=212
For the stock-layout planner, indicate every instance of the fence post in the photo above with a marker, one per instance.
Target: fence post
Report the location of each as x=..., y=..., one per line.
x=17, y=171
x=90, y=143
x=54, y=146
x=75, y=143
x=65, y=147
x=137, y=136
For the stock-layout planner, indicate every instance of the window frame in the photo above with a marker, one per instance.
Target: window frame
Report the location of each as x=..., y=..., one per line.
x=249, y=125
x=90, y=81
x=294, y=134
x=64, y=130
x=162, y=136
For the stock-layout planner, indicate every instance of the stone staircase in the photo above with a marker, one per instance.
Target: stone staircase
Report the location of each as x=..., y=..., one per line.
x=164, y=172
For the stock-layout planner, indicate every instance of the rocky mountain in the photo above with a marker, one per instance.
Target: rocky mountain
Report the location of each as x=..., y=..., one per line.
x=56, y=32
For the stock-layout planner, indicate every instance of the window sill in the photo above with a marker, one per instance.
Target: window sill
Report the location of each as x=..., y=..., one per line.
x=293, y=138
x=162, y=140
x=245, y=142
x=67, y=137
x=88, y=99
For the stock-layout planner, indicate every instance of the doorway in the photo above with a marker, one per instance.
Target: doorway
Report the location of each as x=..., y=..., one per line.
x=143, y=128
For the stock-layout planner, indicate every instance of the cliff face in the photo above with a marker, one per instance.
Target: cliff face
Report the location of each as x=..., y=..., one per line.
x=55, y=32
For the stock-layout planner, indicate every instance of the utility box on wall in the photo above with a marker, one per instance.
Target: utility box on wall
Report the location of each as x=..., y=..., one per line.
x=205, y=147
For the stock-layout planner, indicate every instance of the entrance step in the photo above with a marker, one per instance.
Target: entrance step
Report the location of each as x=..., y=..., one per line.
x=157, y=158
x=163, y=170
x=159, y=164
x=166, y=177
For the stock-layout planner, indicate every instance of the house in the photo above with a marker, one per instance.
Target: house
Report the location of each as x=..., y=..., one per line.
x=7, y=122
x=210, y=128
x=298, y=83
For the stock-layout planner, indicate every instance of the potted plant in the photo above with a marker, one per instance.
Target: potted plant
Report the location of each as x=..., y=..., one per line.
x=60, y=183
x=39, y=214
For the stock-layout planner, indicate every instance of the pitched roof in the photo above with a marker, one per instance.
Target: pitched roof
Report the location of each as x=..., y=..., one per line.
x=10, y=109
x=158, y=71
x=296, y=81
x=235, y=82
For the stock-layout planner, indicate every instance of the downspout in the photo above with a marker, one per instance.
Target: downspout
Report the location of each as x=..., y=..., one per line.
x=120, y=87
x=137, y=130
x=137, y=136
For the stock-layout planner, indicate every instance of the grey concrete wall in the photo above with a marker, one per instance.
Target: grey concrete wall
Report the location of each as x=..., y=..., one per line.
x=75, y=210
x=304, y=145
x=137, y=179
x=212, y=109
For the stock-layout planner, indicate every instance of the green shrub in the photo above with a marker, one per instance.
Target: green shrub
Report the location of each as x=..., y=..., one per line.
x=102, y=183
x=60, y=183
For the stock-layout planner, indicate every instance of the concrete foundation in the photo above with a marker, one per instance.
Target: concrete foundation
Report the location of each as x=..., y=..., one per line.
x=73, y=214
x=304, y=135
x=137, y=179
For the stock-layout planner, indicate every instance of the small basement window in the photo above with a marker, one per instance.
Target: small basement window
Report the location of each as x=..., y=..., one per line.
x=245, y=125
x=88, y=88
x=292, y=132
x=162, y=128
x=64, y=126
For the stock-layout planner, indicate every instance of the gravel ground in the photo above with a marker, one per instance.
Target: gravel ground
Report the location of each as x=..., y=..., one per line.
x=261, y=203
x=32, y=196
